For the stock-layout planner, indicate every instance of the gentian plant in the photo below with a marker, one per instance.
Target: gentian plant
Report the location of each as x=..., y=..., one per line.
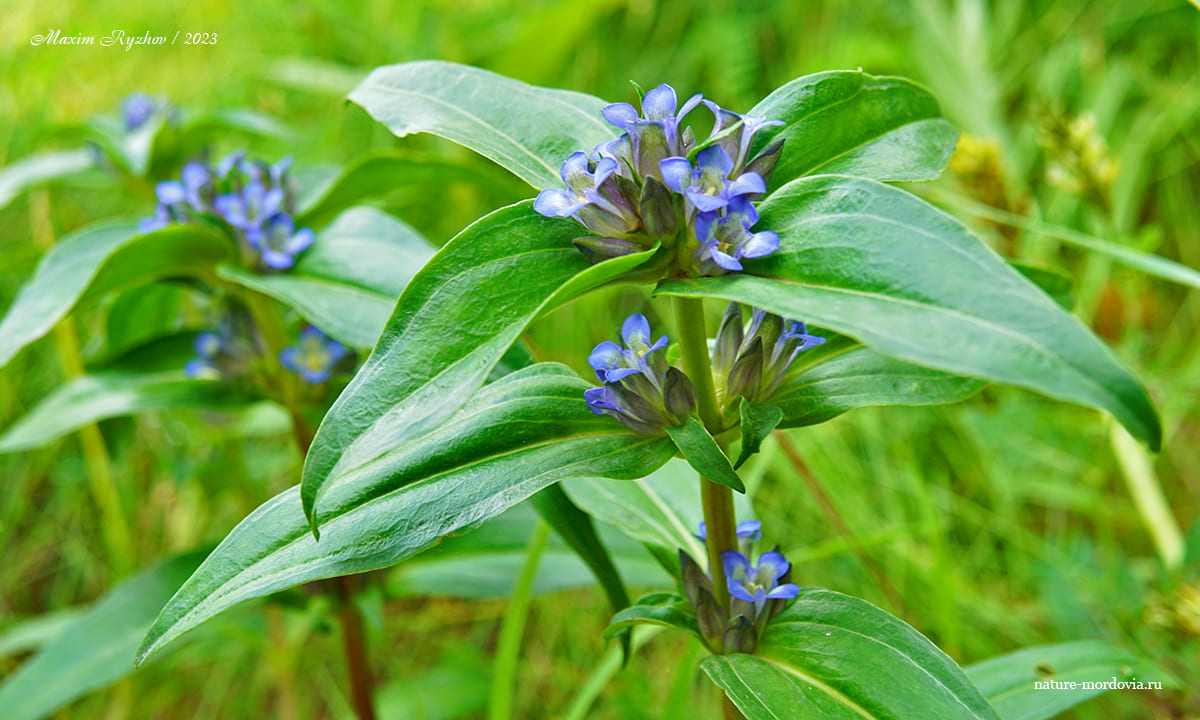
x=788, y=282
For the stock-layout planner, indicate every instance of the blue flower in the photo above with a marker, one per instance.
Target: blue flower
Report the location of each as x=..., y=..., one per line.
x=196, y=181
x=640, y=189
x=707, y=185
x=652, y=136
x=209, y=346
x=593, y=196
x=756, y=584
x=612, y=363
x=725, y=238
x=279, y=242
x=137, y=109
x=314, y=356
x=641, y=389
x=250, y=208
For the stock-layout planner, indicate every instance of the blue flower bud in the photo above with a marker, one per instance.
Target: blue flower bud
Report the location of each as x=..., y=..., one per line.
x=761, y=354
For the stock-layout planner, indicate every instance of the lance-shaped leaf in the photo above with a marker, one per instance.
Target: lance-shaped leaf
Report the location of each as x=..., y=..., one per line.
x=663, y=609
x=702, y=453
x=861, y=377
x=485, y=562
x=852, y=123
x=516, y=436
x=757, y=423
x=836, y=657
x=41, y=169
x=375, y=174
x=576, y=529
x=528, y=130
x=451, y=325
x=877, y=264
x=1010, y=681
x=348, y=281
x=150, y=377
x=101, y=259
x=97, y=648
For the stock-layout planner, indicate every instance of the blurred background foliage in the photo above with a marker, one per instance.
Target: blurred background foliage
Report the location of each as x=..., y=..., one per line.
x=1005, y=521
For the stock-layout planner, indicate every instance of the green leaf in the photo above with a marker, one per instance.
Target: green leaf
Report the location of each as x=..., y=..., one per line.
x=670, y=616
x=1008, y=680
x=757, y=423
x=378, y=173
x=828, y=655
x=877, y=264
x=516, y=436
x=452, y=324
x=142, y=314
x=1148, y=263
x=576, y=528
x=662, y=509
x=41, y=169
x=100, y=259
x=348, y=281
x=28, y=634
x=148, y=378
x=852, y=123
x=861, y=377
x=528, y=130
x=485, y=562
x=97, y=649
x=702, y=453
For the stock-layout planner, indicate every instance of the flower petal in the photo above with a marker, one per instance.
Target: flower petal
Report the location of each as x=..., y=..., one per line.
x=636, y=328
x=659, y=103
x=556, y=202
x=676, y=173
x=759, y=244
x=620, y=114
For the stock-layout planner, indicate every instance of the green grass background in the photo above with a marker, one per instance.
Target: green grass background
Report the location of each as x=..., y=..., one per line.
x=998, y=523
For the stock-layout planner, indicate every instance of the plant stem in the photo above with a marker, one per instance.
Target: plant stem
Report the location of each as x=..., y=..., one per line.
x=512, y=628
x=717, y=499
x=355, y=644
x=118, y=538
x=354, y=640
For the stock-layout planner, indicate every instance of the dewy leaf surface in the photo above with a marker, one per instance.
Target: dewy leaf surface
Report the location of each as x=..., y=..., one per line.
x=528, y=130
x=451, y=325
x=877, y=264
x=516, y=436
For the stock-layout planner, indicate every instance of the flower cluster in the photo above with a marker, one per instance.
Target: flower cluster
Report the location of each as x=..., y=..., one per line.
x=252, y=200
x=759, y=592
x=655, y=183
x=640, y=388
x=752, y=361
x=314, y=356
